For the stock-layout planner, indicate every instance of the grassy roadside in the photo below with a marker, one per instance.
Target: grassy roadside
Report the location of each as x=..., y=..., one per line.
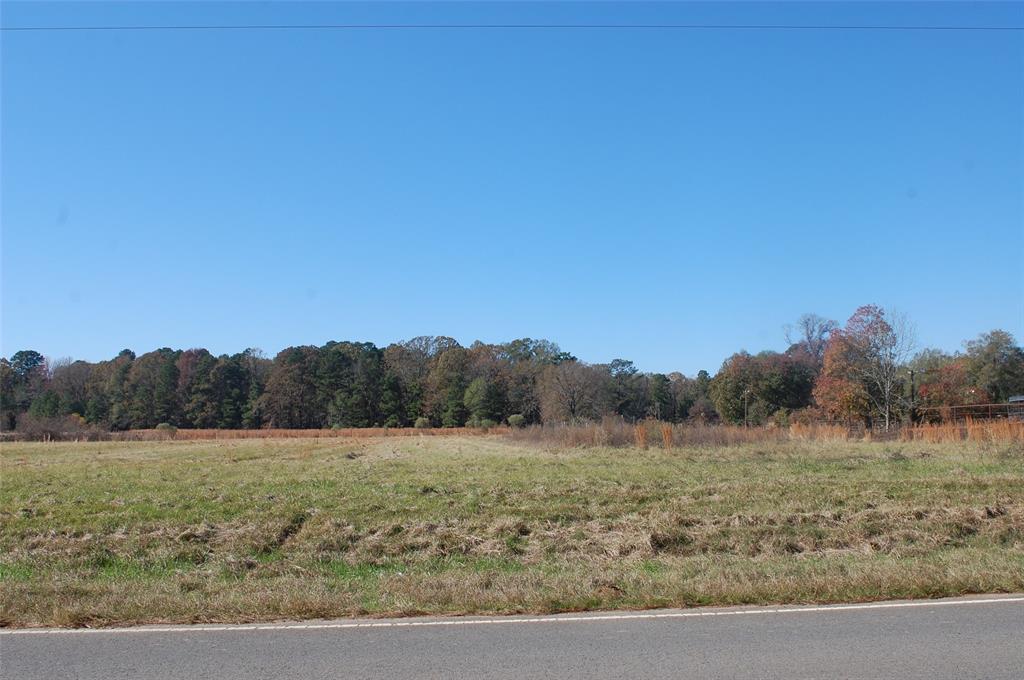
x=184, y=531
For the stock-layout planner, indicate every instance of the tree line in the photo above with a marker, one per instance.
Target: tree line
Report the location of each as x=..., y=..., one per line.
x=862, y=371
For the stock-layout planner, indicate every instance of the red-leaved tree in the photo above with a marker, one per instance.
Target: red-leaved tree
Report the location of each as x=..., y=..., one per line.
x=863, y=369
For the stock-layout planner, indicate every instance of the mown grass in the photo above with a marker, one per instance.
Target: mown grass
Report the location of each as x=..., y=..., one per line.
x=109, y=533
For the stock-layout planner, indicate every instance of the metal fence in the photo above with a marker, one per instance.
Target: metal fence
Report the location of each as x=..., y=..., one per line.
x=959, y=414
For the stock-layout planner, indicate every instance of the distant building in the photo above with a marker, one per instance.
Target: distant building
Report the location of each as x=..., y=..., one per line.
x=1016, y=411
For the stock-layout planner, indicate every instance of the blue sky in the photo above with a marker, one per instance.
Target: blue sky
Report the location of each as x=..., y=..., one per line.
x=661, y=195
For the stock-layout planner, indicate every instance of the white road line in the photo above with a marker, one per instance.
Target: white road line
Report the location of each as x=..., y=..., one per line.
x=508, y=620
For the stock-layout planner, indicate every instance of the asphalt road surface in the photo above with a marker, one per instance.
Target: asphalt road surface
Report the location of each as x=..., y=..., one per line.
x=975, y=637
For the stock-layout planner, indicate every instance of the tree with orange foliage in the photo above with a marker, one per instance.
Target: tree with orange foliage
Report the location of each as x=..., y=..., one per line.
x=838, y=390
x=951, y=385
x=862, y=374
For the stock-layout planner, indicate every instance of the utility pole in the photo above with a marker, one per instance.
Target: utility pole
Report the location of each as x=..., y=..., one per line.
x=746, y=392
x=913, y=399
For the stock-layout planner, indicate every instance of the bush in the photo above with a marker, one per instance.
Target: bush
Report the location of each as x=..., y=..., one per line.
x=517, y=420
x=487, y=423
x=57, y=428
x=422, y=423
x=167, y=429
x=807, y=416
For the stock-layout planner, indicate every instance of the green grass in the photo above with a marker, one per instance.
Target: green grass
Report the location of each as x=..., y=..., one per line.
x=244, y=530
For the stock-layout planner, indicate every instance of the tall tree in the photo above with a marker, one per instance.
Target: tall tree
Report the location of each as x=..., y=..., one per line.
x=754, y=388
x=629, y=390
x=659, y=397
x=483, y=401
x=684, y=395
x=199, y=400
x=229, y=381
x=290, y=399
x=8, y=403
x=108, y=404
x=446, y=387
x=572, y=391
x=152, y=389
x=29, y=378
x=995, y=363
x=69, y=380
x=349, y=383
x=863, y=372
x=950, y=384
x=810, y=335
x=526, y=360
x=406, y=366
x=257, y=370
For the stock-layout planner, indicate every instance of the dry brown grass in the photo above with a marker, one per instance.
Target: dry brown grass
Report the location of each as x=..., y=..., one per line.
x=611, y=431
x=640, y=435
x=666, y=436
x=616, y=432
x=275, y=433
x=812, y=432
x=198, y=434
x=992, y=431
x=242, y=530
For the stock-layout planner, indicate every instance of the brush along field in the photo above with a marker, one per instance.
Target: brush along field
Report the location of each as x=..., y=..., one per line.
x=109, y=533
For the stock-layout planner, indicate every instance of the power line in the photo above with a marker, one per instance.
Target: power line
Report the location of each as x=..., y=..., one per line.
x=695, y=27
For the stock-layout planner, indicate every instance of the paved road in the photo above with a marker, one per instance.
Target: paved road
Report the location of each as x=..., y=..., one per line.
x=978, y=637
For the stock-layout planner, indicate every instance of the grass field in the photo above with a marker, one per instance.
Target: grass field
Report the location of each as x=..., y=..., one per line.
x=244, y=530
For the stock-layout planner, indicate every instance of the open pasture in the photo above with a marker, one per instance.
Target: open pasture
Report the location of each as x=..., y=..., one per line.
x=104, y=533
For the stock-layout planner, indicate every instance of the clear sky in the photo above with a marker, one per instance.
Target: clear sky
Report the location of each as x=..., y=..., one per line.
x=668, y=196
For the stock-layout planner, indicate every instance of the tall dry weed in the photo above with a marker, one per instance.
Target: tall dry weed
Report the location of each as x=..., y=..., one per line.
x=615, y=432
x=640, y=435
x=990, y=431
x=611, y=431
x=666, y=435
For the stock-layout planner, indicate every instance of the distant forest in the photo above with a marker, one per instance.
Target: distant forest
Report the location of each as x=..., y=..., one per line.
x=866, y=370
